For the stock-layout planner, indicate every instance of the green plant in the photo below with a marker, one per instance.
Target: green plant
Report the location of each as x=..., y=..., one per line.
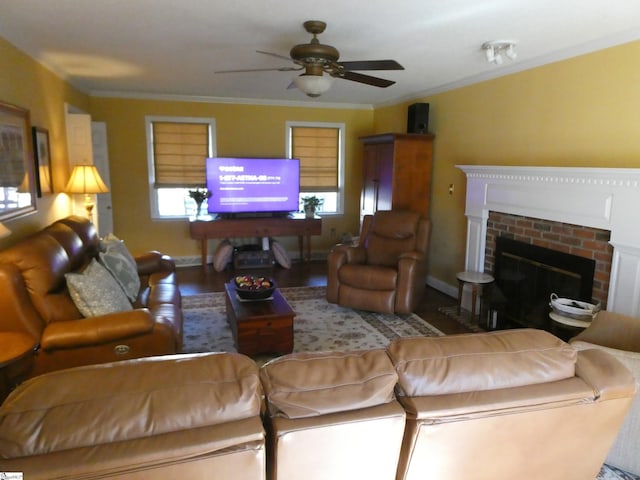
x=312, y=202
x=199, y=195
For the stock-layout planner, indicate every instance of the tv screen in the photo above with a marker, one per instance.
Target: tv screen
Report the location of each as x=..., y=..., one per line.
x=252, y=185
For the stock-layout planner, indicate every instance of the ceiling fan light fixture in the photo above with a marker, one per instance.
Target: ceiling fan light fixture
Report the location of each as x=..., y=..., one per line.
x=313, y=85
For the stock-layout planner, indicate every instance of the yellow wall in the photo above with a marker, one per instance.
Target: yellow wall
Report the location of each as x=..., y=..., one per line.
x=241, y=130
x=25, y=83
x=578, y=112
x=581, y=112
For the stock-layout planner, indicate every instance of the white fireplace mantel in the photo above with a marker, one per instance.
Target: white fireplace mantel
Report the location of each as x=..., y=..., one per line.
x=605, y=198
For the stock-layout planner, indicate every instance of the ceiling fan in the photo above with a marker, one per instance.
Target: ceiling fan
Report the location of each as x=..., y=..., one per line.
x=317, y=59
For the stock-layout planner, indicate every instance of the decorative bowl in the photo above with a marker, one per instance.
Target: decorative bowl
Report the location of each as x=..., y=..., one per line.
x=250, y=287
x=577, y=309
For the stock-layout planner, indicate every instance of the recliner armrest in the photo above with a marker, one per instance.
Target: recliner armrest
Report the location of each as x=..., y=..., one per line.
x=96, y=330
x=353, y=254
x=415, y=255
x=152, y=262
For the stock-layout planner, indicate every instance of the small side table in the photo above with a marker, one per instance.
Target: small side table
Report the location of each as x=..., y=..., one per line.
x=16, y=355
x=566, y=327
x=477, y=280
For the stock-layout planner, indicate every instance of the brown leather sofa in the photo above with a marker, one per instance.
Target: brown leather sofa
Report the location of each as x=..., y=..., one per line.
x=507, y=404
x=619, y=335
x=34, y=299
x=387, y=271
x=499, y=406
x=191, y=416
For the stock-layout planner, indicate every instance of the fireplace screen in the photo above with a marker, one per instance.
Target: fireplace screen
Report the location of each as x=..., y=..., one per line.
x=526, y=275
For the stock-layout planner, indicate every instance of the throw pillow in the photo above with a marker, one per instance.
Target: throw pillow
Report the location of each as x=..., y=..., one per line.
x=222, y=255
x=111, y=242
x=122, y=270
x=280, y=254
x=95, y=292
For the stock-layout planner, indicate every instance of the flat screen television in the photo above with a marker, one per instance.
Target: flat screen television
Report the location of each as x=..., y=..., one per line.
x=253, y=185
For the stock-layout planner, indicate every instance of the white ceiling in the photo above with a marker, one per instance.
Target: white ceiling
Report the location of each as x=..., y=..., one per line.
x=173, y=47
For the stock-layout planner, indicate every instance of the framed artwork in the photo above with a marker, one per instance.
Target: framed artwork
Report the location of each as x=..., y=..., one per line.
x=42, y=156
x=17, y=178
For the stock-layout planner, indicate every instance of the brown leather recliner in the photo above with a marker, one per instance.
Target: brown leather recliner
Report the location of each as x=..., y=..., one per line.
x=387, y=271
x=34, y=299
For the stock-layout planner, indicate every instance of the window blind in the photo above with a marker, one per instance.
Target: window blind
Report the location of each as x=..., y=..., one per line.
x=179, y=153
x=317, y=149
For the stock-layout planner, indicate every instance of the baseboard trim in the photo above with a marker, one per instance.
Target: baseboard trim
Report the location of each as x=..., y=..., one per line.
x=443, y=287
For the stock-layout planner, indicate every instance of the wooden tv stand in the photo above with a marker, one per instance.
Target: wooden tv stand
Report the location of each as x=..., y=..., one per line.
x=300, y=226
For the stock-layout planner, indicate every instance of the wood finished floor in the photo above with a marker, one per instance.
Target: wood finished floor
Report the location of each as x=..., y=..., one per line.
x=194, y=280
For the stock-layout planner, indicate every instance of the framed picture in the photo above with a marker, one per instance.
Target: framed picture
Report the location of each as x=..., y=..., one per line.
x=17, y=178
x=42, y=157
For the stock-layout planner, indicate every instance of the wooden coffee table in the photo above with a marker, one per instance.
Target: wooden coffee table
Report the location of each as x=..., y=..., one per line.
x=260, y=326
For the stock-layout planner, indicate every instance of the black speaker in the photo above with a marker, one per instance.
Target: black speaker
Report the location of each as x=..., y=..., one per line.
x=418, y=118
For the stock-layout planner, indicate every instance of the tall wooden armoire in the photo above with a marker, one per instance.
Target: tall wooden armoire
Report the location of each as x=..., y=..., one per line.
x=397, y=172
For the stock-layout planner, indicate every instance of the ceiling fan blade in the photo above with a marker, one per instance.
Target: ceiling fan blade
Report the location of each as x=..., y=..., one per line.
x=371, y=65
x=274, y=55
x=368, y=79
x=281, y=69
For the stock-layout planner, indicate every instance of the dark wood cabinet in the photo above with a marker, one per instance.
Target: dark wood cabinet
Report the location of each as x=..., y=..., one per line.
x=397, y=172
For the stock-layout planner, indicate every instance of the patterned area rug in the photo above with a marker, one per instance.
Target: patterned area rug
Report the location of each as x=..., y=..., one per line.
x=318, y=325
x=464, y=317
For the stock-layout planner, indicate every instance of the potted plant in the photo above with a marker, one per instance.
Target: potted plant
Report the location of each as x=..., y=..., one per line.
x=310, y=205
x=199, y=195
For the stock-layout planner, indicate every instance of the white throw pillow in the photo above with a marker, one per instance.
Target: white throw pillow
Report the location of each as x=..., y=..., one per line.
x=280, y=254
x=222, y=255
x=95, y=292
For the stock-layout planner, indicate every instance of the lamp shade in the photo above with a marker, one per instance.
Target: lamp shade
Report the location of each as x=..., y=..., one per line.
x=4, y=231
x=313, y=85
x=85, y=179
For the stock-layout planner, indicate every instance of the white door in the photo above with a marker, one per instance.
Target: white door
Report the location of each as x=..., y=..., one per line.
x=101, y=161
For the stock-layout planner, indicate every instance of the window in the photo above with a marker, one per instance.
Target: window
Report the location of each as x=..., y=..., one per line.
x=320, y=149
x=177, y=148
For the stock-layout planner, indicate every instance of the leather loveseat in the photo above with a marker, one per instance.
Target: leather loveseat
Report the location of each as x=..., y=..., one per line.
x=35, y=299
x=498, y=406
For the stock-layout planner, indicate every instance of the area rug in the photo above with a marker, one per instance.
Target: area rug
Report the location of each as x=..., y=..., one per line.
x=318, y=325
x=463, y=318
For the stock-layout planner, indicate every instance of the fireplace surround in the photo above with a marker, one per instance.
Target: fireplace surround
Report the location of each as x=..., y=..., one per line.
x=602, y=198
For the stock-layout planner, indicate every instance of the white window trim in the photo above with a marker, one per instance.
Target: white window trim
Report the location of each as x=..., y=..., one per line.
x=148, y=121
x=341, y=155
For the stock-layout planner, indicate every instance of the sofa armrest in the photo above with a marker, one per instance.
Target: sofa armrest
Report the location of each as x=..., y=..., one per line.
x=96, y=330
x=152, y=262
x=612, y=330
x=606, y=375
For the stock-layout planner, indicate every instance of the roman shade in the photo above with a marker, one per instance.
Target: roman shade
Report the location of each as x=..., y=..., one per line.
x=317, y=150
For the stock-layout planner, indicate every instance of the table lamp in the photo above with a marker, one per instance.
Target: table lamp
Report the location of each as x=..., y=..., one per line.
x=85, y=179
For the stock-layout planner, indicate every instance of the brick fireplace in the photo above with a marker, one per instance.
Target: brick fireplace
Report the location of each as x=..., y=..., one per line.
x=589, y=212
x=587, y=242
